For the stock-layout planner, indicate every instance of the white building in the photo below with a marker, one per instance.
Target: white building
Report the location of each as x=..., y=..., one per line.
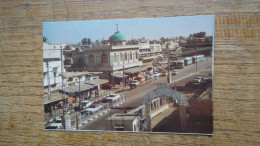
x=109, y=58
x=148, y=52
x=52, y=65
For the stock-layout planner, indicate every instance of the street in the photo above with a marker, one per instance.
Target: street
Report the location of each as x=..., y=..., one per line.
x=135, y=96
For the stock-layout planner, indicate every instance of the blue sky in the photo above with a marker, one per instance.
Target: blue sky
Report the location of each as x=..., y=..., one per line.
x=70, y=32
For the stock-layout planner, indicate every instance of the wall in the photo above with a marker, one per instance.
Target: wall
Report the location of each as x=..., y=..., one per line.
x=236, y=72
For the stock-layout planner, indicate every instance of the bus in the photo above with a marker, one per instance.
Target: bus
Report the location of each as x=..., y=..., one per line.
x=180, y=64
x=187, y=61
x=198, y=58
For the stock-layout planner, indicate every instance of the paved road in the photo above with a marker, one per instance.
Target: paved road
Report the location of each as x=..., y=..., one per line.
x=134, y=97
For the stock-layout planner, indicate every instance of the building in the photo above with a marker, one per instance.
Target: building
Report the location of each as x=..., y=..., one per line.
x=52, y=65
x=149, y=52
x=135, y=119
x=110, y=58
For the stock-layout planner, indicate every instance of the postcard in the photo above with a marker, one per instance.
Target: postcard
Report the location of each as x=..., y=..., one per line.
x=149, y=75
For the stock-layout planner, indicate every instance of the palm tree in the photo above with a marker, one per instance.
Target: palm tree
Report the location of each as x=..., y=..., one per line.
x=45, y=39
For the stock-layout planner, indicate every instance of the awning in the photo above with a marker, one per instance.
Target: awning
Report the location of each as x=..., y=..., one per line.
x=135, y=70
x=75, y=88
x=54, y=97
x=96, y=82
x=118, y=75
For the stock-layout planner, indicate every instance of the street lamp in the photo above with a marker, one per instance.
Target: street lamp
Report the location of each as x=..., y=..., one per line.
x=79, y=77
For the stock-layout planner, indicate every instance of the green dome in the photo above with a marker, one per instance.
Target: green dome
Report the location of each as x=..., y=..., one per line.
x=117, y=37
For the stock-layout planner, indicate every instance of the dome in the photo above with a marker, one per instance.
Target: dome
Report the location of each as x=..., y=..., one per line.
x=117, y=37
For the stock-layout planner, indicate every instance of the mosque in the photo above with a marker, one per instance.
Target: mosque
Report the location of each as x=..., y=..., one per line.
x=111, y=58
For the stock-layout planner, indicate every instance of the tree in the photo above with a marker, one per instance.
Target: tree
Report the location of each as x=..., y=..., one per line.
x=162, y=39
x=89, y=41
x=45, y=39
x=97, y=42
x=84, y=41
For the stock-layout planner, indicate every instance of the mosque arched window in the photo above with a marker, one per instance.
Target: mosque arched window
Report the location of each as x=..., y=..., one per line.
x=103, y=58
x=115, y=60
x=91, y=59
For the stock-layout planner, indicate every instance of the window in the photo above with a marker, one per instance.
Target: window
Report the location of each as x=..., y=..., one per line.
x=91, y=59
x=121, y=57
x=115, y=57
x=61, y=47
x=136, y=54
x=125, y=56
x=103, y=58
x=130, y=55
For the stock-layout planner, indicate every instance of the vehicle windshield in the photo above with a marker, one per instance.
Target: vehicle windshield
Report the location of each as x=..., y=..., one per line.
x=111, y=95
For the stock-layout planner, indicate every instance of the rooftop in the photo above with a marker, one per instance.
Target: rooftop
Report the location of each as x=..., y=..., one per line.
x=75, y=88
x=96, y=82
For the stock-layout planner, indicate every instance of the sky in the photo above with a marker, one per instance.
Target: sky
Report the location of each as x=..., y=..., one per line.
x=72, y=32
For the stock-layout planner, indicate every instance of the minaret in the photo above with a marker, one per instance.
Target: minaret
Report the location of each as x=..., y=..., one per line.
x=117, y=28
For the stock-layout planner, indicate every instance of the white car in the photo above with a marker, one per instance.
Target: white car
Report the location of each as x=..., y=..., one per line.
x=92, y=109
x=156, y=74
x=198, y=80
x=113, y=97
x=86, y=103
x=57, y=125
x=134, y=82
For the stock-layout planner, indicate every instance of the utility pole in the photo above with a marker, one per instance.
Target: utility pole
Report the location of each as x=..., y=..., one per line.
x=48, y=79
x=62, y=88
x=169, y=74
x=77, y=116
x=196, y=60
x=79, y=91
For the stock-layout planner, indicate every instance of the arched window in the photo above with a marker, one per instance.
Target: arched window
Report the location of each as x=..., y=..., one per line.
x=130, y=55
x=91, y=59
x=136, y=55
x=125, y=56
x=115, y=60
x=121, y=57
x=103, y=58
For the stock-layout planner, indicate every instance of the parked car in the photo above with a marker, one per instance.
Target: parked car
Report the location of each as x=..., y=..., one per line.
x=92, y=109
x=207, y=80
x=147, y=77
x=198, y=80
x=164, y=73
x=134, y=83
x=156, y=74
x=107, y=86
x=174, y=72
x=113, y=97
x=86, y=103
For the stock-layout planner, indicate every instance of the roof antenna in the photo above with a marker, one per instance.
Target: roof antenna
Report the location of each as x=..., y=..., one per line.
x=117, y=28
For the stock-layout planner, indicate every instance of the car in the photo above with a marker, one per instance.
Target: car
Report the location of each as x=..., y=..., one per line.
x=51, y=127
x=134, y=83
x=86, y=103
x=113, y=97
x=164, y=73
x=106, y=86
x=156, y=74
x=57, y=125
x=198, y=80
x=92, y=109
x=147, y=77
x=207, y=80
x=174, y=72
